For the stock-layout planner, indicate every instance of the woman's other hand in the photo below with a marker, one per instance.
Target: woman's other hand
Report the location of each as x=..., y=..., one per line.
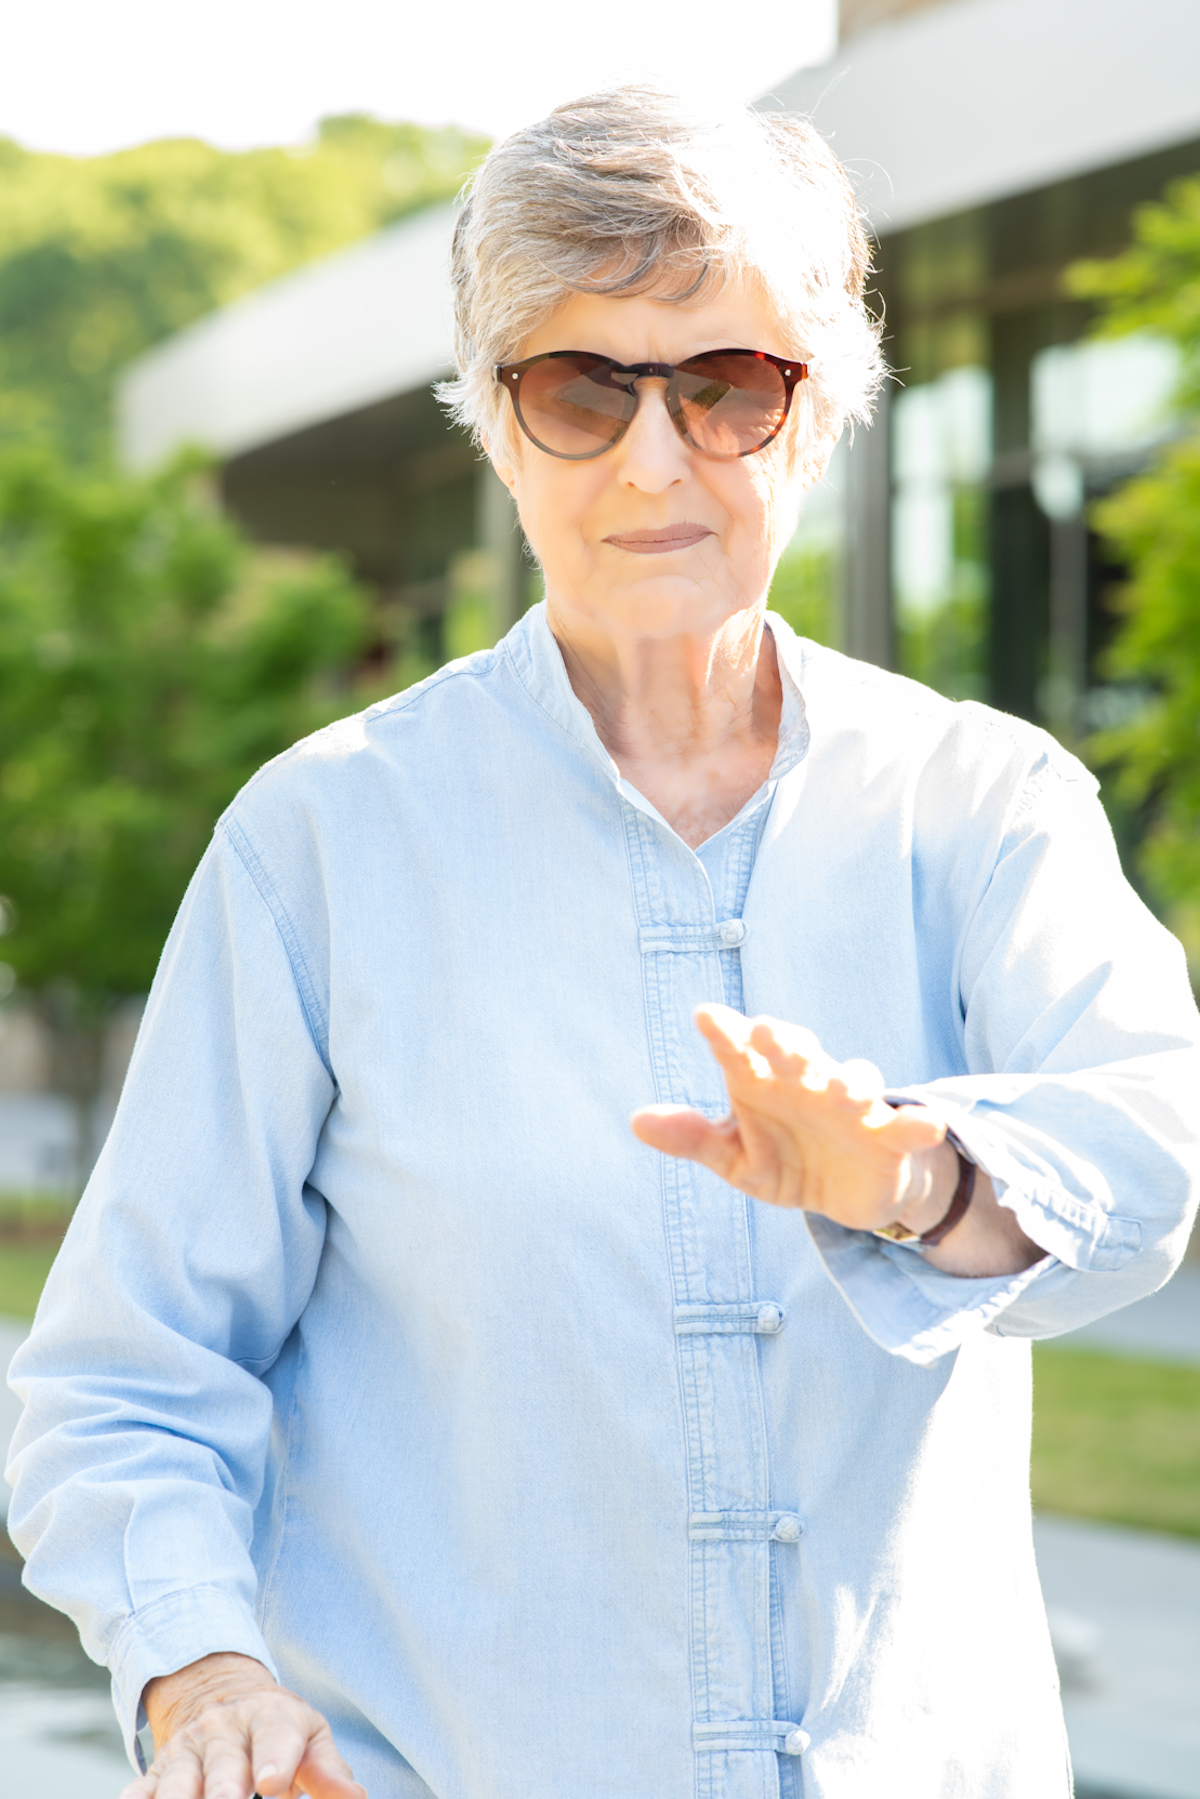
x=224, y=1729
x=806, y=1131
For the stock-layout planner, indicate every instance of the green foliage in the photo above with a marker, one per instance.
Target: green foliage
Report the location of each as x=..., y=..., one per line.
x=102, y=256
x=1116, y=1439
x=803, y=592
x=1152, y=526
x=149, y=663
x=1154, y=285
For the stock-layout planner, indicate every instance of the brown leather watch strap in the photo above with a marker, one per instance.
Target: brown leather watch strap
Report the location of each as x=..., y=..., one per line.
x=963, y=1193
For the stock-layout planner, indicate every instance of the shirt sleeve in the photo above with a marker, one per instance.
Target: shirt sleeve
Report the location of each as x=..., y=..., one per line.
x=1081, y=1039
x=141, y=1452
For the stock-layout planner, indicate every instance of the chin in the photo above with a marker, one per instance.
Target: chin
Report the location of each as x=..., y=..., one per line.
x=658, y=608
x=681, y=619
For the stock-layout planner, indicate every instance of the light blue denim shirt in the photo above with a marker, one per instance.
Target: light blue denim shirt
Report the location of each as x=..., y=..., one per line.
x=547, y=1467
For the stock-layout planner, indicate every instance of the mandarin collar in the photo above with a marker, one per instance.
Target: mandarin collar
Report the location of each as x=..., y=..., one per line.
x=539, y=664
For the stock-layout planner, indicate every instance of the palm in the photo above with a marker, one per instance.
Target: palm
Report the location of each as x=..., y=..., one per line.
x=802, y=1130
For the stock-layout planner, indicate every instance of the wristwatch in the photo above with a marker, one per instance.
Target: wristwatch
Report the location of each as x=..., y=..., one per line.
x=900, y=1233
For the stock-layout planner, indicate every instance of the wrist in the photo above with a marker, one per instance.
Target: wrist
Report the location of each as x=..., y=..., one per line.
x=933, y=1182
x=172, y=1701
x=929, y=1184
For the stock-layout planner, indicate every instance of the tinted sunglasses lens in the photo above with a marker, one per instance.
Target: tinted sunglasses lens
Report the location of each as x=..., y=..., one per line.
x=571, y=406
x=731, y=404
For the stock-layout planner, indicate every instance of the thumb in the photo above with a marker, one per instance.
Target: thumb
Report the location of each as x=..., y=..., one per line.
x=322, y=1773
x=679, y=1131
x=908, y=1128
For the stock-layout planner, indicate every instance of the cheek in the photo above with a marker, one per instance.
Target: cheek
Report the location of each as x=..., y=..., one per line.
x=553, y=502
x=761, y=502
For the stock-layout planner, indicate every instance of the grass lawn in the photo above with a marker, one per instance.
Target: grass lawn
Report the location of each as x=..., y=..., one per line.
x=31, y=1229
x=23, y=1270
x=1116, y=1439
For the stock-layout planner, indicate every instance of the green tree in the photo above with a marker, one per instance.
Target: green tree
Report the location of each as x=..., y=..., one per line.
x=1152, y=526
x=102, y=256
x=150, y=661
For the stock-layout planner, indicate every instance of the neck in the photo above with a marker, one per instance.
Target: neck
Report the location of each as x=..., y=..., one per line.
x=692, y=721
x=672, y=697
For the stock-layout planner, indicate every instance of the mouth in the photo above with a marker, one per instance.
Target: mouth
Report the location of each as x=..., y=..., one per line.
x=661, y=540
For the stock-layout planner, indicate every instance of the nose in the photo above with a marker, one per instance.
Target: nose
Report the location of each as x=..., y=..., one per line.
x=652, y=455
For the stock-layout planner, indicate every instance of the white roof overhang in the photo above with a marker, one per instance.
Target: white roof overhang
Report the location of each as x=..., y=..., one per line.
x=941, y=110
x=360, y=326
x=973, y=100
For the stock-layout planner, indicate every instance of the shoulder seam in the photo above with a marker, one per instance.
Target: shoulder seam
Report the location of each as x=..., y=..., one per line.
x=396, y=702
x=1039, y=777
x=449, y=671
x=246, y=854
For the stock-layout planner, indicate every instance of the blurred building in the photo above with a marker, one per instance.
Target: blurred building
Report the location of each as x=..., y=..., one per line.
x=994, y=142
x=315, y=394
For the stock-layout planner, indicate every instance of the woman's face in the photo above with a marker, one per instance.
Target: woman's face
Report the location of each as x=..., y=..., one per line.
x=651, y=537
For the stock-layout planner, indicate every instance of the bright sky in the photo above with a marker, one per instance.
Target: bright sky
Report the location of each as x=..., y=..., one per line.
x=85, y=76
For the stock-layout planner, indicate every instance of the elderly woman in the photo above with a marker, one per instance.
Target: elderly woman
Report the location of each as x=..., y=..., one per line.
x=393, y=1406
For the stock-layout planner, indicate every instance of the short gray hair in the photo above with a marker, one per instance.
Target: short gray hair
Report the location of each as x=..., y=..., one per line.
x=636, y=191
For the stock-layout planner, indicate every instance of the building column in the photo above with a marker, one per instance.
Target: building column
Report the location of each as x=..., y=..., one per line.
x=866, y=626
x=1064, y=687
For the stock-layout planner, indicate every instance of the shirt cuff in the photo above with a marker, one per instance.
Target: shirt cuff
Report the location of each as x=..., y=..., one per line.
x=907, y=1306
x=1074, y=1230
x=168, y=1634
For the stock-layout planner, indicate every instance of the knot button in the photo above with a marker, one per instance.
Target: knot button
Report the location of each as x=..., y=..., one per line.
x=769, y=1319
x=787, y=1528
x=796, y=1741
x=731, y=933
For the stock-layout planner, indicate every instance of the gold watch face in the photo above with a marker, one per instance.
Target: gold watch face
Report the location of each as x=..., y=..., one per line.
x=898, y=1233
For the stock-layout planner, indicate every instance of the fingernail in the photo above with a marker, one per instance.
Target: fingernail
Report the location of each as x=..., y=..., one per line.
x=266, y=1773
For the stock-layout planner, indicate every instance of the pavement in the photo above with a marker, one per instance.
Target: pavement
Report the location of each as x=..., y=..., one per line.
x=1124, y=1610
x=60, y=1743
x=58, y=1734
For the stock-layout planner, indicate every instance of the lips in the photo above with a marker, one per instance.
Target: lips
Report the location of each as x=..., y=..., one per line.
x=660, y=541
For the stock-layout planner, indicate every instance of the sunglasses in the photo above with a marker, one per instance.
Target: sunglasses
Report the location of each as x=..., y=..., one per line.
x=725, y=404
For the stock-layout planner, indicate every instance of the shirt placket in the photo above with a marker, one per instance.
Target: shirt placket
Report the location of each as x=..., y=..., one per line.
x=721, y=1327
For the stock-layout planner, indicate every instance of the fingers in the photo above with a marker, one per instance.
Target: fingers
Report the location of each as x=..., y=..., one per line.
x=145, y=1787
x=177, y=1773
x=791, y=1050
x=322, y=1773
x=910, y=1128
x=678, y=1131
x=278, y=1744
x=749, y=1049
x=272, y=1743
x=752, y=1050
x=762, y=1046
x=804, y=1130
x=227, y=1772
x=728, y=1035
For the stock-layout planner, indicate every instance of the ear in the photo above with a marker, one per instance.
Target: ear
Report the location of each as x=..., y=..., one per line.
x=502, y=462
x=817, y=460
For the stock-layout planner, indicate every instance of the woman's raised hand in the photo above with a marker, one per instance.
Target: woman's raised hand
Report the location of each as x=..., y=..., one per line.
x=224, y=1729
x=804, y=1130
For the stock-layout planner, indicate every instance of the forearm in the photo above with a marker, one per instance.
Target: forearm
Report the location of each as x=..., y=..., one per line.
x=987, y=1240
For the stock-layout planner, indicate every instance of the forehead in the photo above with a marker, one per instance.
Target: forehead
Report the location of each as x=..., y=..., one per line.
x=641, y=328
